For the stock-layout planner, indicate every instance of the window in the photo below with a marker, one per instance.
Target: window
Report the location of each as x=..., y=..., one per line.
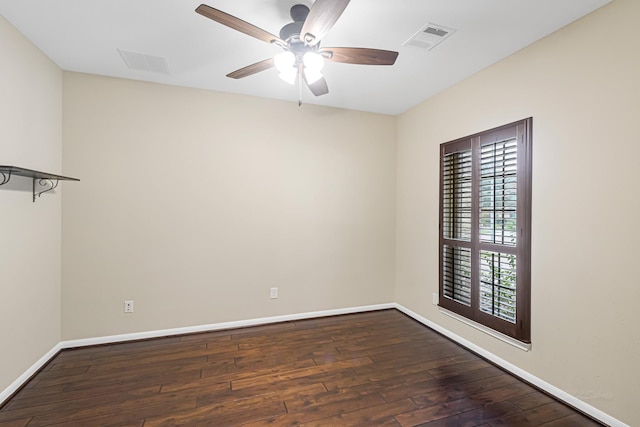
x=485, y=228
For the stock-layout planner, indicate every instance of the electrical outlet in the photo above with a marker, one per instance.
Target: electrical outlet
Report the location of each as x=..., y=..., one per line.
x=274, y=293
x=435, y=299
x=128, y=306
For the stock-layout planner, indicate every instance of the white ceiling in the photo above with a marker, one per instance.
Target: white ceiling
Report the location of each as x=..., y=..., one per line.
x=85, y=35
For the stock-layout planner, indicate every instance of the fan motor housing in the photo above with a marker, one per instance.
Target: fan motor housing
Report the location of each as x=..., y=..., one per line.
x=299, y=12
x=291, y=32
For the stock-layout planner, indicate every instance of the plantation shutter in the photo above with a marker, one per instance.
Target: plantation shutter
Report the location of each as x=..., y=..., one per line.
x=485, y=205
x=456, y=223
x=497, y=225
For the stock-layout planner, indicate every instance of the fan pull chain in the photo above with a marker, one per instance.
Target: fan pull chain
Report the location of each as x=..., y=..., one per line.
x=299, y=87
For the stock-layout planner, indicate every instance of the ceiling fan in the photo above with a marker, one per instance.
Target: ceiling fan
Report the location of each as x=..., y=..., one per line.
x=302, y=57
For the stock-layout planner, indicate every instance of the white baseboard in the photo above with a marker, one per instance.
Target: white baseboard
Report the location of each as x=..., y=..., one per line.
x=530, y=378
x=543, y=385
x=219, y=326
x=15, y=386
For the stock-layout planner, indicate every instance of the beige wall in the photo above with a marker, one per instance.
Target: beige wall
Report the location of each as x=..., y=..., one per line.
x=30, y=137
x=581, y=85
x=194, y=203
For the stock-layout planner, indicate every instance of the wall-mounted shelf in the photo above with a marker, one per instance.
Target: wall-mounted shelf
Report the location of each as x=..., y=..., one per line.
x=45, y=181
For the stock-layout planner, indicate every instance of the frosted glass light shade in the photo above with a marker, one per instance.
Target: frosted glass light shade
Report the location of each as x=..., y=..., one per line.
x=311, y=75
x=313, y=61
x=289, y=75
x=284, y=61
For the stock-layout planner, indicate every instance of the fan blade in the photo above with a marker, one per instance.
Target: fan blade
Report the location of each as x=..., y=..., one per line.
x=319, y=87
x=238, y=24
x=359, y=55
x=252, y=69
x=322, y=16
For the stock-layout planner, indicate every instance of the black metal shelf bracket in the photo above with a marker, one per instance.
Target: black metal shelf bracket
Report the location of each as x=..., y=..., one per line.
x=6, y=176
x=50, y=185
x=46, y=181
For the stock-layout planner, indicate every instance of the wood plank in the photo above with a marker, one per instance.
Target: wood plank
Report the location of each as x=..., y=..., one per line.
x=476, y=417
x=573, y=420
x=452, y=391
x=290, y=390
x=298, y=373
x=535, y=416
x=382, y=415
x=53, y=401
x=225, y=413
x=80, y=413
x=436, y=412
x=16, y=423
x=531, y=400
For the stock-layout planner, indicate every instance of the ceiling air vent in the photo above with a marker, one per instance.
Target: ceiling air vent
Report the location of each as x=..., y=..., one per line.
x=141, y=62
x=429, y=36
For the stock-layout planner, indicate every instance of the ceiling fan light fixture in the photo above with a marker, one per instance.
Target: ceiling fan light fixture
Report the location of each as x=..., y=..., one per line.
x=312, y=75
x=289, y=75
x=301, y=59
x=284, y=61
x=312, y=61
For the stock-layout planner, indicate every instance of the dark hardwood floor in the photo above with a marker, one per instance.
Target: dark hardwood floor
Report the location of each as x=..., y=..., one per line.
x=379, y=368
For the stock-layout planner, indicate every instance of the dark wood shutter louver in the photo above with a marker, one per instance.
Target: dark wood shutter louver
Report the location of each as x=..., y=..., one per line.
x=457, y=192
x=498, y=285
x=498, y=192
x=456, y=266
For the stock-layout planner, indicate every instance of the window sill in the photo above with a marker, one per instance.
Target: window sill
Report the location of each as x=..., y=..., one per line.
x=502, y=337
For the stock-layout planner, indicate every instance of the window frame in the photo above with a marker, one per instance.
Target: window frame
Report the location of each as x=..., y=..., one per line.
x=522, y=132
